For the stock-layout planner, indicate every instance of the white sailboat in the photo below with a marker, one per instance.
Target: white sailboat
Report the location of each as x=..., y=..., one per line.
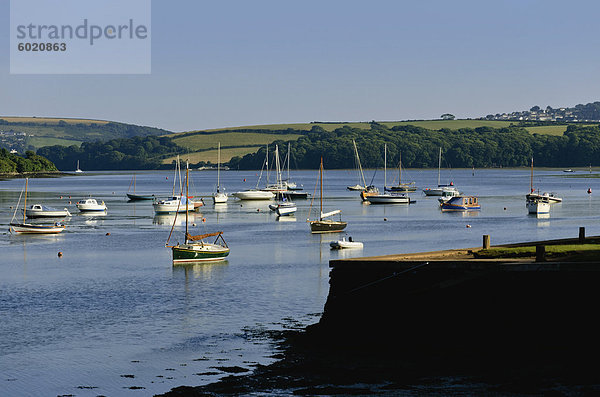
x=387, y=198
x=175, y=203
x=437, y=191
x=32, y=228
x=219, y=197
x=536, y=203
x=256, y=193
x=194, y=248
x=283, y=207
x=401, y=187
x=323, y=225
x=361, y=175
x=78, y=170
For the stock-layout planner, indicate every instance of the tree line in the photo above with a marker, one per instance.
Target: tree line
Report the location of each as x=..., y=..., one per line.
x=136, y=153
x=418, y=147
x=11, y=163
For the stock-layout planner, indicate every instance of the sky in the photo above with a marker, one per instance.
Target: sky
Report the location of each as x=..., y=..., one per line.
x=246, y=62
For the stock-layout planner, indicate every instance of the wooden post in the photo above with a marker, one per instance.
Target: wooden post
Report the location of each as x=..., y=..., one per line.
x=582, y=234
x=540, y=253
x=486, y=241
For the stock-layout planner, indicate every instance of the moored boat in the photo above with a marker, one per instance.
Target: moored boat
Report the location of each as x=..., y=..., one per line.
x=31, y=228
x=461, y=203
x=194, y=248
x=538, y=205
x=90, y=204
x=219, y=197
x=439, y=190
x=344, y=244
x=175, y=204
x=43, y=211
x=323, y=225
x=387, y=198
x=137, y=197
x=287, y=208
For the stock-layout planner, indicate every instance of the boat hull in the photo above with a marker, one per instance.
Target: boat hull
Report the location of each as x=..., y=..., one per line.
x=188, y=253
x=139, y=197
x=401, y=189
x=219, y=198
x=27, y=228
x=286, y=210
x=344, y=244
x=327, y=226
x=388, y=199
x=538, y=207
x=254, y=195
x=33, y=214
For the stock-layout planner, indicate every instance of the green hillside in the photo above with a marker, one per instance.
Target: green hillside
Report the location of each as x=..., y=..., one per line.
x=32, y=133
x=239, y=141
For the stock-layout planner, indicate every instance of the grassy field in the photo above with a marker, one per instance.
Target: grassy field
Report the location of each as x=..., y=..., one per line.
x=430, y=124
x=50, y=120
x=210, y=141
x=46, y=141
x=211, y=155
x=579, y=251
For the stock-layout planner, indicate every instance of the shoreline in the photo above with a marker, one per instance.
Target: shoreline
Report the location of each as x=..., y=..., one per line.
x=44, y=174
x=474, y=326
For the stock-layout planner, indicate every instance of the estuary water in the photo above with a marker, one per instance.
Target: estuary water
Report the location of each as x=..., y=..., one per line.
x=113, y=316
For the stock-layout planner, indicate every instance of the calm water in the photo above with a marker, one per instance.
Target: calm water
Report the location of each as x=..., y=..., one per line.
x=113, y=313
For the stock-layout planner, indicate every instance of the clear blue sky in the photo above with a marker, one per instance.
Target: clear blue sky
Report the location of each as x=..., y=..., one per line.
x=227, y=63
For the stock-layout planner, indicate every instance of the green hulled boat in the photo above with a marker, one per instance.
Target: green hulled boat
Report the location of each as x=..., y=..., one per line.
x=194, y=249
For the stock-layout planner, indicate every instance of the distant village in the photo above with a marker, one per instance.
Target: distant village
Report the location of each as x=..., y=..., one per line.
x=580, y=113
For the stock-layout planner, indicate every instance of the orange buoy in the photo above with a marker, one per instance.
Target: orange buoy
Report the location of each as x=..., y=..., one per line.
x=59, y=254
x=108, y=234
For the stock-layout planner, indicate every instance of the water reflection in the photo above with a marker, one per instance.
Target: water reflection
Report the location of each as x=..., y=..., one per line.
x=286, y=219
x=220, y=207
x=177, y=219
x=199, y=270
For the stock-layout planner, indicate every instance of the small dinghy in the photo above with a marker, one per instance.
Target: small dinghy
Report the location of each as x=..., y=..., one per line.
x=343, y=243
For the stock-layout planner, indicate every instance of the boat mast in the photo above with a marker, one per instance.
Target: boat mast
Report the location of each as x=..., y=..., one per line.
x=288, y=163
x=359, y=166
x=218, y=166
x=187, y=187
x=278, y=181
x=400, y=168
x=439, y=166
x=25, y=203
x=531, y=179
x=321, y=189
x=384, y=166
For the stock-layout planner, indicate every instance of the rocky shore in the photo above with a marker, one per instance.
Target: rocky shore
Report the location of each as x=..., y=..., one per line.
x=438, y=322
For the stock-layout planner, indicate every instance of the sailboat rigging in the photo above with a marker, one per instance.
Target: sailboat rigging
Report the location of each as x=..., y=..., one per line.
x=323, y=225
x=441, y=189
x=219, y=197
x=387, y=198
x=32, y=228
x=194, y=249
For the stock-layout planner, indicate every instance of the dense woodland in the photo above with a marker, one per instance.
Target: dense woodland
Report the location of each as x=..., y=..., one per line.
x=418, y=147
x=118, y=154
x=13, y=163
